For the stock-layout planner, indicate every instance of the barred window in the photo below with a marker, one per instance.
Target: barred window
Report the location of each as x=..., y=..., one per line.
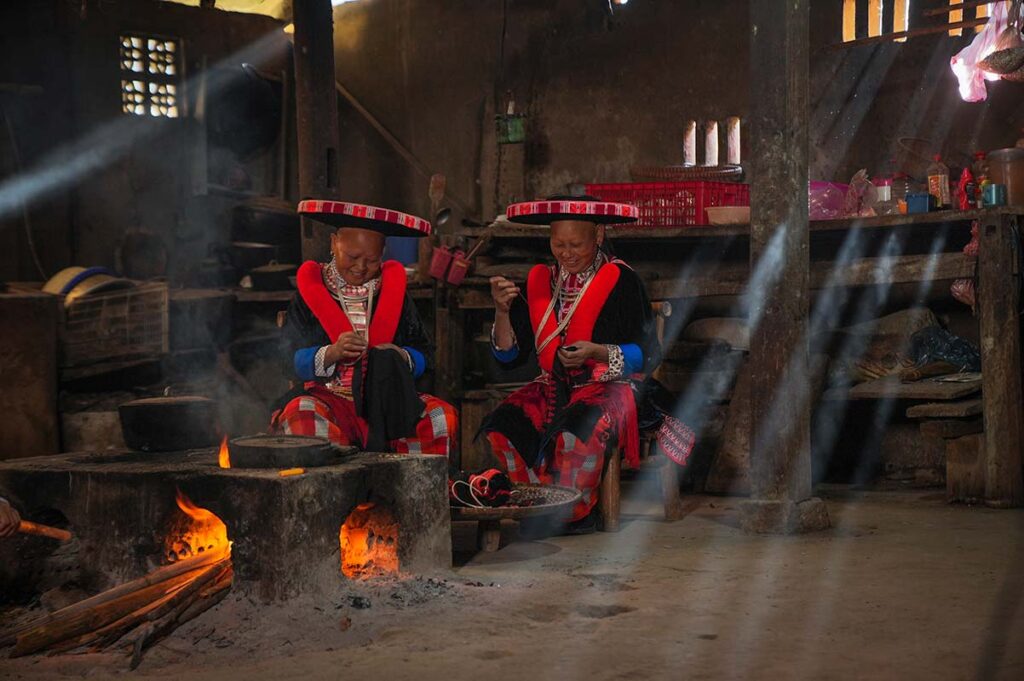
x=149, y=76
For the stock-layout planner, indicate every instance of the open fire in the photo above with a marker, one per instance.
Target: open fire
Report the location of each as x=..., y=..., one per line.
x=224, y=456
x=196, y=532
x=369, y=542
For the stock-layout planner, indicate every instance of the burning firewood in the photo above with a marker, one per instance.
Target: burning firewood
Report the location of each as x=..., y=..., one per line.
x=142, y=611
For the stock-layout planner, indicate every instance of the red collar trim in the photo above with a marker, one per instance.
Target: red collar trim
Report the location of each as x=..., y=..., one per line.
x=387, y=310
x=581, y=326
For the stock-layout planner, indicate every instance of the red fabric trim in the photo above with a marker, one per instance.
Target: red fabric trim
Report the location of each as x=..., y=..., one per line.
x=581, y=327
x=538, y=293
x=389, y=308
x=325, y=308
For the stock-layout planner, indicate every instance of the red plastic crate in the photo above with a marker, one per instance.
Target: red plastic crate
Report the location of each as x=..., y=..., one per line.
x=673, y=204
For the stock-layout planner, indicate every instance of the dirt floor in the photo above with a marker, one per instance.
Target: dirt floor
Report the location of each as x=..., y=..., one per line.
x=903, y=587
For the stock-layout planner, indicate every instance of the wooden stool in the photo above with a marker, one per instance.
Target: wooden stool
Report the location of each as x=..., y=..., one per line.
x=609, y=502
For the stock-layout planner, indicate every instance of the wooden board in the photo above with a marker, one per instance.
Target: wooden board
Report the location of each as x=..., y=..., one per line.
x=731, y=279
x=28, y=392
x=890, y=387
x=941, y=410
x=999, y=324
x=947, y=429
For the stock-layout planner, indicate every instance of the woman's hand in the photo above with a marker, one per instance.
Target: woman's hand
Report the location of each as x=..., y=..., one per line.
x=347, y=349
x=581, y=352
x=9, y=519
x=503, y=292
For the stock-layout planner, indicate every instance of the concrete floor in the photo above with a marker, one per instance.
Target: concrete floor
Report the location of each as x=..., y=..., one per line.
x=903, y=587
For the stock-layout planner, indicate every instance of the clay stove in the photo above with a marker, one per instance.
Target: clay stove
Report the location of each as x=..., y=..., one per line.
x=287, y=532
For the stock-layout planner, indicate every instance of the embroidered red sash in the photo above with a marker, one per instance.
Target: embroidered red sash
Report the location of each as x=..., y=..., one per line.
x=386, y=311
x=581, y=326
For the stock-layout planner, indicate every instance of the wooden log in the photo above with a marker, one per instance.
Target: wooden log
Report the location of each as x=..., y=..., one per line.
x=157, y=576
x=26, y=527
x=61, y=628
x=109, y=634
x=183, y=612
x=999, y=322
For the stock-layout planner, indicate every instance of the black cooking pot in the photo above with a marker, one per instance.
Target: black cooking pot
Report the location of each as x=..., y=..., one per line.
x=272, y=277
x=165, y=424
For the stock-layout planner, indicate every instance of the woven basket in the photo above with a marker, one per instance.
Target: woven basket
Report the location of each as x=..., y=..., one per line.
x=543, y=500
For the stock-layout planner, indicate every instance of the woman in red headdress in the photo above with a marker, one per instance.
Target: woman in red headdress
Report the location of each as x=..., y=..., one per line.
x=354, y=339
x=588, y=321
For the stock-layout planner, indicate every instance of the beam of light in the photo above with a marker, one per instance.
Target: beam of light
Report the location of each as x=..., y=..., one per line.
x=827, y=588
x=845, y=102
x=109, y=142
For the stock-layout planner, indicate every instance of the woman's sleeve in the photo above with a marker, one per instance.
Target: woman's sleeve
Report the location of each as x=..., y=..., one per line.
x=635, y=324
x=519, y=354
x=412, y=337
x=302, y=340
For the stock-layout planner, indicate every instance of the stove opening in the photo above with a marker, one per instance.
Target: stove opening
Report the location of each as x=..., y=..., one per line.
x=194, y=531
x=369, y=542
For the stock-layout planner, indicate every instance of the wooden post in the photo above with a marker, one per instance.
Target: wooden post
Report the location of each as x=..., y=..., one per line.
x=316, y=115
x=780, y=438
x=610, y=499
x=488, y=535
x=999, y=321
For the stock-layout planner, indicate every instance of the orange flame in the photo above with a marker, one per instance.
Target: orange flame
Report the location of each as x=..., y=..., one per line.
x=224, y=457
x=197, y=532
x=369, y=542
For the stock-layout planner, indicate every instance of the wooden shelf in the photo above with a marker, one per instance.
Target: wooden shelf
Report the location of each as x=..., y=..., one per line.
x=731, y=280
x=513, y=231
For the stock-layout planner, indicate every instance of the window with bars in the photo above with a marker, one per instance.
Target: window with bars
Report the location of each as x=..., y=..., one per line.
x=149, y=76
x=880, y=18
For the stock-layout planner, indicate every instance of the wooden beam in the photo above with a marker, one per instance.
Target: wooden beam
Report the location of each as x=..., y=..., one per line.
x=316, y=115
x=939, y=11
x=890, y=37
x=779, y=244
x=999, y=321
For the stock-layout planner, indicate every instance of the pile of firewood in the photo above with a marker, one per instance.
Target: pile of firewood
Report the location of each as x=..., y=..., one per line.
x=132, y=616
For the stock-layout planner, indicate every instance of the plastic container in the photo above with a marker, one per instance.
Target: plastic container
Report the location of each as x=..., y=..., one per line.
x=404, y=249
x=673, y=204
x=938, y=183
x=439, y=261
x=1007, y=167
x=995, y=195
x=919, y=202
x=885, y=204
x=459, y=268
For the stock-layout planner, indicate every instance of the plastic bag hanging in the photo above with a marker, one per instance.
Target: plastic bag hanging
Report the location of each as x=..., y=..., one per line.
x=965, y=63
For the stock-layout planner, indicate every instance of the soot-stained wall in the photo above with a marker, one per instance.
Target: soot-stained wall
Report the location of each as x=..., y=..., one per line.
x=92, y=174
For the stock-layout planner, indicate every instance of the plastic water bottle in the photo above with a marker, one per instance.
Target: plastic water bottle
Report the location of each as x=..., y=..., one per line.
x=938, y=183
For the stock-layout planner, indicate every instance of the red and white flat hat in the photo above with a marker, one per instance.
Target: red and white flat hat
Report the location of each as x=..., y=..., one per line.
x=384, y=220
x=585, y=208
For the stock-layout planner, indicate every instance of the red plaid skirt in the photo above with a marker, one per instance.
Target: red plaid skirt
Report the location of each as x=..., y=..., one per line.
x=574, y=461
x=321, y=413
